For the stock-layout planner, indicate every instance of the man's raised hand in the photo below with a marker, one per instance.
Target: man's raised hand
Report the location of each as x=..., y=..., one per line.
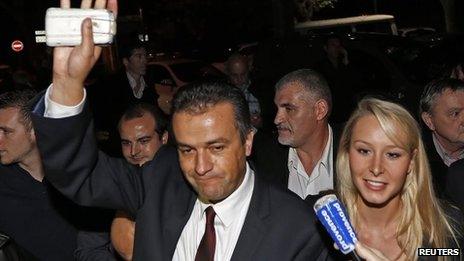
x=71, y=65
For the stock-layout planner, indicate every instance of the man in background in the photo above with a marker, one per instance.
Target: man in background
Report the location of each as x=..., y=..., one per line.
x=442, y=111
x=143, y=130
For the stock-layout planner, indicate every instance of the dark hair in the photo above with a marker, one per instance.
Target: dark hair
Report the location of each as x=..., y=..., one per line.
x=127, y=47
x=313, y=82
x=19, y=99
x=139, y=110
x=196, y=98
x=435, y=88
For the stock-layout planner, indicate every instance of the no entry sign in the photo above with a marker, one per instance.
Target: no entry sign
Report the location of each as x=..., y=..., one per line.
x=17, y=46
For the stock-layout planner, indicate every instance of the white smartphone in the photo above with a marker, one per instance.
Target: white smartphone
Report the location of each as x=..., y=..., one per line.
x=63, y=26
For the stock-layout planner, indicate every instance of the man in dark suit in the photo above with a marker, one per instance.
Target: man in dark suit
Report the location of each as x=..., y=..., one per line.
x=114, y=94
x=34, y=214
x=305, y=161
x=442, y=110
x=245, y=219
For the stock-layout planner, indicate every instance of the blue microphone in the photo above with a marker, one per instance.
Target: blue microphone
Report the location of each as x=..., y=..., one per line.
x=332, y=214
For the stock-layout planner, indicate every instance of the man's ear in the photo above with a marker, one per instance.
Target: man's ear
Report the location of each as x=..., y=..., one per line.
x=32, y=134
x=164, y=138
x=427, y=119
x=249, y=142
x=322, y=109
x=125, y=61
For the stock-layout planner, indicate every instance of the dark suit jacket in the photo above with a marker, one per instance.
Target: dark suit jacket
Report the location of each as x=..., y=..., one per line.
x=455, y=183
x=271, y=158
x=278, y=226
x=437, y=166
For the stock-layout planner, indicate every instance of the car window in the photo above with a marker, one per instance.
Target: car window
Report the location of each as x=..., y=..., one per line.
x=160, y=75
x=193, y=71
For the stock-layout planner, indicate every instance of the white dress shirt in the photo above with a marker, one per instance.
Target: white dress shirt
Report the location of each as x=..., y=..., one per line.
x=321, y=177
x=447, y=158
x=230, y=213
x=133, y=83
x=56, y=110
x=230, y=216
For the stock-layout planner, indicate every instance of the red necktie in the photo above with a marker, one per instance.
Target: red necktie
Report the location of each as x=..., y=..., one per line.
x=207, y=245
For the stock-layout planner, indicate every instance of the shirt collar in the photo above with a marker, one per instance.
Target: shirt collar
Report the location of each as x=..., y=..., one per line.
x=447, y=158
x=326, y=157
x=230, y=208
x=132, y=81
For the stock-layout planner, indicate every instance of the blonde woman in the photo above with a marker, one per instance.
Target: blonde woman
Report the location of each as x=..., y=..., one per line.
x=385, y=182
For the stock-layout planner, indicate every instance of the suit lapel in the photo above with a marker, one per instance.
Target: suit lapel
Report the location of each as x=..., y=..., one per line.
x=175, y=216
x=287, y=172
x=256, y=222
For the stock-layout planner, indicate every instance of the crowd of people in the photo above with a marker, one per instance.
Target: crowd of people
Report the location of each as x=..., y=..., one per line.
x=232, y=171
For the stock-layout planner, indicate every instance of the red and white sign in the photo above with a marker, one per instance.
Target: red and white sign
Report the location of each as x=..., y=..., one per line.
x=17, y=46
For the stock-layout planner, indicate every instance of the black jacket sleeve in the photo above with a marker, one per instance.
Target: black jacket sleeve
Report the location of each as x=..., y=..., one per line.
x=73, y=164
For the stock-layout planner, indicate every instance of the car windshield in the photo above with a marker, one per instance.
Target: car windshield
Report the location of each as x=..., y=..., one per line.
x=196, y=70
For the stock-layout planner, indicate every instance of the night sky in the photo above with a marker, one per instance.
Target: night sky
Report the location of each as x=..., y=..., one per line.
x=218, y=22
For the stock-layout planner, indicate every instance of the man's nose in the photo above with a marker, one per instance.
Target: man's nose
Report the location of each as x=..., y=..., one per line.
x=203, y=163
x=279, y=117
x=135, y=149
x=144, y=59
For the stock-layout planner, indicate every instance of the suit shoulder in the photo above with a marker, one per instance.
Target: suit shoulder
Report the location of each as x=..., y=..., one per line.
x=289, y=203
x=163, y=164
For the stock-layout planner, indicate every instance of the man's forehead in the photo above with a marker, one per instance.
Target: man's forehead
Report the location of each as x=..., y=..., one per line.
x=9, y=112
x=446, y=98
x=140, y=50
x=220, y=113
x=292, y=90
x=239, y=66
x=9, y=117
x=146, y=121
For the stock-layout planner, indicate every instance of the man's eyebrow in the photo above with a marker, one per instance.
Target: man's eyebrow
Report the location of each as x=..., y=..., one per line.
x=145, y=137
x=287, y=105
x=4, y=128
x=219, y=140
x=455, y=109
x=179, y=144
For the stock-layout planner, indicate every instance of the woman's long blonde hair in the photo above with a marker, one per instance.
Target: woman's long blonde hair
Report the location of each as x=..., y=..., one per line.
x=422, y=220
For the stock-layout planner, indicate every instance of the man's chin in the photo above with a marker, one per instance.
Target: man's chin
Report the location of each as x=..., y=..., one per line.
x=6, y=162
x=284, y=141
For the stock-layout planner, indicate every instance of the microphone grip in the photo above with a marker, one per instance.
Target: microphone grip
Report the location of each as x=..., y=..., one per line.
x=332, y=215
